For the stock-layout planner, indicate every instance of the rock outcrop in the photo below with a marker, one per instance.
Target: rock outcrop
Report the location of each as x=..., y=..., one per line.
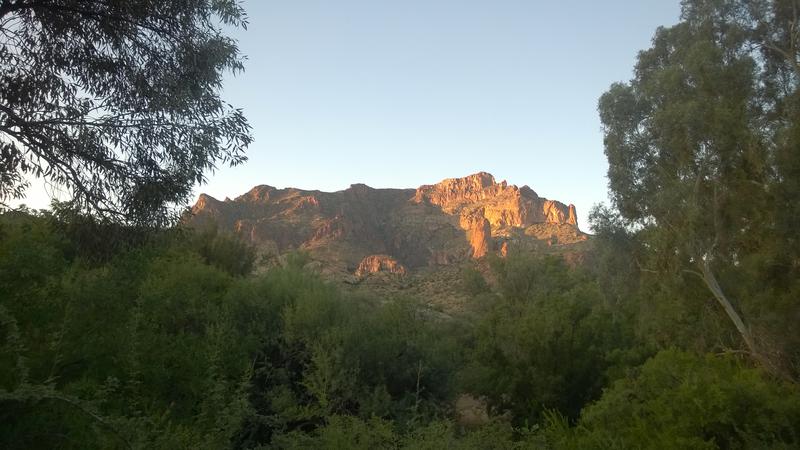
x=363, y=230
x=379, y=264
x=501, y=204
x=486, y=207
x=479, y=232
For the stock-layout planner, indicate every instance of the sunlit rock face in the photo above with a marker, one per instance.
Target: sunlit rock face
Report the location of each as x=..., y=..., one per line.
x=486, y=208
x=502, y=205
x=362, y=230
x=479, y=231
x=373, y=264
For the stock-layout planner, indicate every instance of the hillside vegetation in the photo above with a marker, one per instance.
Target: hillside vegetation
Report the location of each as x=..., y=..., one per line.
x=165, y=341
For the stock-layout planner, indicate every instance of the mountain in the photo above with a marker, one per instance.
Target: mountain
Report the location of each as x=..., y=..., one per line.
x=362, y=232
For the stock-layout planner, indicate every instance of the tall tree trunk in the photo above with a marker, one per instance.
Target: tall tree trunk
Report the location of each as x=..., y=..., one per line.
x=768, y=363
x=713, y=286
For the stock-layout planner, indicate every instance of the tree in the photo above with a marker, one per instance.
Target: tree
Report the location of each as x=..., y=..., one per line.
x=702, y=150
x=679, y=399
x=116, y=101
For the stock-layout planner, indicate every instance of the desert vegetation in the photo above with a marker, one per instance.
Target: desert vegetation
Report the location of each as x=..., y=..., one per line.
x=121, y=327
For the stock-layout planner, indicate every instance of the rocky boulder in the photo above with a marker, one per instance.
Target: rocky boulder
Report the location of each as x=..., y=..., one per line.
x=373, y=264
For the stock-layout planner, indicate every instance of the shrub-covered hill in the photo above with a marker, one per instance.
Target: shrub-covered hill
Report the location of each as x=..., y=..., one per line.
x=165, y=340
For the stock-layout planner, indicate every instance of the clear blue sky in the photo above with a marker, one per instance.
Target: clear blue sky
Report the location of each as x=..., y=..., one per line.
x=403, y=93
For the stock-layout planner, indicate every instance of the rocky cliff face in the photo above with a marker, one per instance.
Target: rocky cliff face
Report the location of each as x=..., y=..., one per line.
x=373, y=264
x=362, y=230
x=486, y=207
x=502, y=205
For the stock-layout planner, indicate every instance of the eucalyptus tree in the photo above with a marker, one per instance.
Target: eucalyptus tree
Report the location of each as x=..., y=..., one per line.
x=118, y=101
x=704, y=161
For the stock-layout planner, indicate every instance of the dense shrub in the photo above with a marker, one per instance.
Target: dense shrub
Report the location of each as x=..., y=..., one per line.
x=681, y=400
x=547, y=344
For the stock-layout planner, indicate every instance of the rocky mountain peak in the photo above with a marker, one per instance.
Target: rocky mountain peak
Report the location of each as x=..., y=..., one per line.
x=362, y=230
x=503, y=205
x=258, y=194
x=453, y=193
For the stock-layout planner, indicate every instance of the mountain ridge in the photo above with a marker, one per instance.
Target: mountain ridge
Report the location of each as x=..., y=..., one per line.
x=360, y=231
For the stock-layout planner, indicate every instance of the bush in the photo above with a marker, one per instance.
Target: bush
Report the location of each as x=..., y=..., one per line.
x=547, y=344
x=680, y=400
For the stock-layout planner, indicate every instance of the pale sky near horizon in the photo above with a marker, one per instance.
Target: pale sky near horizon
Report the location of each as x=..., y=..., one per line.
x=404, y=93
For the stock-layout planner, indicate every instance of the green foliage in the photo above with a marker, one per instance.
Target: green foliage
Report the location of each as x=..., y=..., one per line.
x=703, y=169
x=548, y=344
x=680, y=400
x=161, y=343
x=118, y=102
x=343, y=433
x=332, y=355
x=140, y=351
x=474, y=283
x=225, y=251
x=124, y=337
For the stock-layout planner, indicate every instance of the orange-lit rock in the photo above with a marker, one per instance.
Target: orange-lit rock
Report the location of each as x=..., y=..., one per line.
x=379, y=263
x=438, y=224
x=504, y=249
x=573, y=216
x=479, y=232
x=503, y=205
